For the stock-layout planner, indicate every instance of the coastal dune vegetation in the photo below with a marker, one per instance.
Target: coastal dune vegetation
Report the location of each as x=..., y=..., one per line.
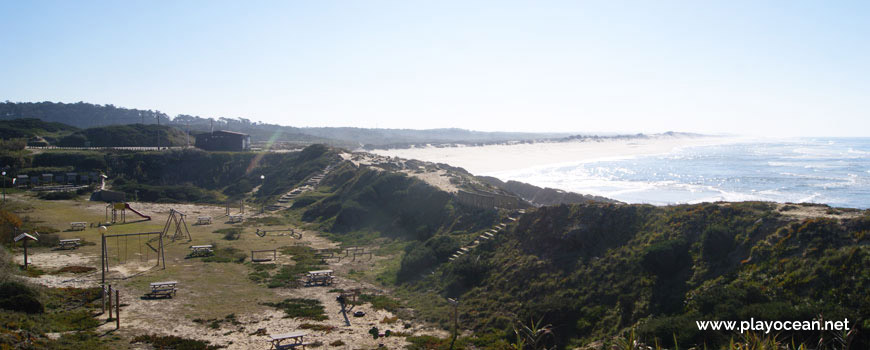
x=599, y=273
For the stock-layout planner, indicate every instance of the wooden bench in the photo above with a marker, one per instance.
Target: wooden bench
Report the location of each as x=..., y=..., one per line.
x=69, y=243
x=162, y=289
x=203, y=220
x=236, y=218
x=201, y=250
x=296, y=340
x=319, y=278
x=78, y=226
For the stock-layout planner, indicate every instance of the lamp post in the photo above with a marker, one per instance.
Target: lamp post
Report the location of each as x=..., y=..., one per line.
x=263, y=205
x=455, y=303
x=4, y=187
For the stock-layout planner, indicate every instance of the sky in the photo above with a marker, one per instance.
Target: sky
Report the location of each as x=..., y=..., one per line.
x=782, y=68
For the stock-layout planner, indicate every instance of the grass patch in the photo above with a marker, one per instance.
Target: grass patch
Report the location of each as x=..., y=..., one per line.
x=60, y=195
x=160, y=342
x=33, y=271
x=76, y=269
x=264, y=221
x=59, y=298
x=230, y=233
x=216, y=323
x=381, y=302
x=65, y=310
x=317, y=327
x=227, y=255
x=301, y=308
x=287, y=275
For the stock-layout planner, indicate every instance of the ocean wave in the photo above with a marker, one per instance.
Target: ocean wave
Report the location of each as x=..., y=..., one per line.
x=821, y=172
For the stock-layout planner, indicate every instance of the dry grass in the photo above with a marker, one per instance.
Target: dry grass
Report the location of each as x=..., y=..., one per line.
x=206, y=291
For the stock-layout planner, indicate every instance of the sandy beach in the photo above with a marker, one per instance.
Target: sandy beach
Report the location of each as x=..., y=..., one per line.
x=485, y=160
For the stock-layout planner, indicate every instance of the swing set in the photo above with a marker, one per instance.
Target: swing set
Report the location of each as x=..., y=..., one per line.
x=176, y=219
x=122, y=255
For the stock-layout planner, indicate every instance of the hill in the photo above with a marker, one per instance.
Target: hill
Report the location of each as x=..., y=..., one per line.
x=132, y=135
x=86, y=115
x=32, y=127
x=598, y=272
x=543, y=196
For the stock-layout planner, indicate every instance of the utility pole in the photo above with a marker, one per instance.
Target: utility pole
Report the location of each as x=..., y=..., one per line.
x=158, y=131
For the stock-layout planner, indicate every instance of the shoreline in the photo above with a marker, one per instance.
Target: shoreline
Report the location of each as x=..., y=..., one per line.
x=478, y=160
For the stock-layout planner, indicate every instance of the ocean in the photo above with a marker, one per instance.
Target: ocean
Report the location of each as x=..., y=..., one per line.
x=833, y=171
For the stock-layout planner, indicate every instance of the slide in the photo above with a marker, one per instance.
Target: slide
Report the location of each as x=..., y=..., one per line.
x=126, y=205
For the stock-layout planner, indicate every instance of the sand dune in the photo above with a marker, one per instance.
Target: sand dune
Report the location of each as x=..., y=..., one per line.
x=483, y=160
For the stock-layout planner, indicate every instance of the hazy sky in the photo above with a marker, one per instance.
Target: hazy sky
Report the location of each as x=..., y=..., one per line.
x=746, y=67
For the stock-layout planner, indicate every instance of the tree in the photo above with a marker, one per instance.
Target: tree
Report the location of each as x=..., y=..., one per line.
x=9, y=222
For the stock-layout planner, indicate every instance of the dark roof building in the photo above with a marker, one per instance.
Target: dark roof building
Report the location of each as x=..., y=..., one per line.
x=223, y=140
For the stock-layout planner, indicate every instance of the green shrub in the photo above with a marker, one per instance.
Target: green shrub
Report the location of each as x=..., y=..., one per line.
x=443, y=246
x=16, y=296
x=303, y=202
x=417, y=259
x=381, y=302
x=665, y=257
x=58, y=195
x=226, y=255
x=310, y=309
x=230, y=233
x=22, y=303
x=172, y=342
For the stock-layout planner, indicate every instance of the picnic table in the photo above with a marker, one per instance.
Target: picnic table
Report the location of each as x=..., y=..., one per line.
x=295, y=340
x=78, y=226
x=69, y=243
x=319, y=277
x=162, y=289
x=201, y=250
x=236, y=218
x=203, y=220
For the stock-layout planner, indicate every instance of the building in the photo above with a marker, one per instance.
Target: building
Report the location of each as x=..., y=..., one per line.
x=223, y=140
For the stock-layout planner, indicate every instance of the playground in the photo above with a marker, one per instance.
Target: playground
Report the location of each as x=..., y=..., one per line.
x=203, y=290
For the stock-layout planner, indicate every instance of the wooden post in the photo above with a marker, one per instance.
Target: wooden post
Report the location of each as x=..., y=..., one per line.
x=25, y=253
x=110, y=301
x=162, y=254
x=103, y=264
x=117, y=310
